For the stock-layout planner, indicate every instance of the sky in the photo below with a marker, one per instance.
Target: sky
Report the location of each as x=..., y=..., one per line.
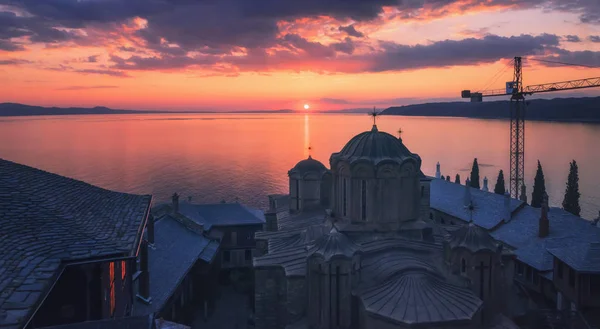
x=188, y=55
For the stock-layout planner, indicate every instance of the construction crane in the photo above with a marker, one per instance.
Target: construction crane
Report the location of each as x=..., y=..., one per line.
x=517, y=93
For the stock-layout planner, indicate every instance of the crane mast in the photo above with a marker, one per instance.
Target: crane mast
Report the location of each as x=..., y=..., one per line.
x=517, y=92
x=517, y=131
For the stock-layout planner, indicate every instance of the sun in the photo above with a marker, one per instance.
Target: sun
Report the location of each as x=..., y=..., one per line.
x=306, y=106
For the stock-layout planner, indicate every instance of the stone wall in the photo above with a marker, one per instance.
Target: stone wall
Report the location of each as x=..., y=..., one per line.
x=296, y=298
x=270, y=298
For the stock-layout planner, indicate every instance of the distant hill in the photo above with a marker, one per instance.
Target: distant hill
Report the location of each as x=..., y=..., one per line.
x=14, y=109
x=585, y=109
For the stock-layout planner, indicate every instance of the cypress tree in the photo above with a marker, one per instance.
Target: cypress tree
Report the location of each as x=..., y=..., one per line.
x=571, y=200
x=539, y=188
x=499, y=188
x=457, y=179
x=447, y=178
x=475, y=175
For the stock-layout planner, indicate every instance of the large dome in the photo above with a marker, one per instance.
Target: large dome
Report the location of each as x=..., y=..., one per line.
x=375, y=146
x=309, y=165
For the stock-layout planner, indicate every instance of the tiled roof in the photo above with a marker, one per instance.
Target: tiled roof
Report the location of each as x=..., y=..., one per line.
x=47, y=219
x=176, y=249
x=332, y=245
x=473, y=238
x=221, y=214
x=209, y=253
x=581, y=257
x=131, y=322
x=488, y=209
x=521, y=233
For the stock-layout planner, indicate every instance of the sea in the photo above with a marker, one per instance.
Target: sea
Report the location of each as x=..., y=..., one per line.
x=211, y=158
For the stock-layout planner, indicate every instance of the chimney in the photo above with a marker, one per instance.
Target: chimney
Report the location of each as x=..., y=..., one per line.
x=438, y=174
x=150, y=229
x=523, y=196
x=485, y=184
x=507, y=212
x=175, y=200
x=544, y=225
x=467, y=199
x=144, y=285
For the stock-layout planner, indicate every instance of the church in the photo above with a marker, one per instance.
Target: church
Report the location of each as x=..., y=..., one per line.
x=356, y=246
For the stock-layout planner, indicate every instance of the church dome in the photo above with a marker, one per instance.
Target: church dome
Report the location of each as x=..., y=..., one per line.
x=473, y=238
x=375, y=146
x=309, y=165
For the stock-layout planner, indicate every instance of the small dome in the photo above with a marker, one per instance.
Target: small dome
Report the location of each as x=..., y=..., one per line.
x=472, y=238
x=375, y=146
x=334, y=244
x=309, y=165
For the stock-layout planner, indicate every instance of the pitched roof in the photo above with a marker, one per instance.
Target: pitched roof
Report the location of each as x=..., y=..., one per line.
x=48, y=219
x=473, y=238
x=488, y=209
x=582, y=258
x=521, y=233
x=221, y=214
x=176, y=249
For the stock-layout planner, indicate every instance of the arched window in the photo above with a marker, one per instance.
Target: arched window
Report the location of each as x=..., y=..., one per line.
x=345, y=202
x=363, y=200
x=463, y=266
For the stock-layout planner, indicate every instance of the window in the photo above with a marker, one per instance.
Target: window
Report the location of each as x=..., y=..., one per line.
x=463, y=266
x=363, y=192
x=337, y=296
x=123, y=270
x=422, y=191
x=560, y=269
x=571, y=277
x=111, y=275
x=430, y=215
x=451, y=222
x=442, y=220
x=226, y=256
x=595, y=285
x=519, y=268
x=344, y=194
x=233, y=238
x=536, y=278
x=529, y=273
x=248, y=254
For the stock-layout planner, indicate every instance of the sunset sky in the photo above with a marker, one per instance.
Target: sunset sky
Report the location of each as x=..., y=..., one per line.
x=276, y=54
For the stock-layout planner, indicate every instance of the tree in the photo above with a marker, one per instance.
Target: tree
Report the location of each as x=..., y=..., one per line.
x=447, y=178
x=571, y=200
x=475, y=175
x=457, y=179
x=499, y=188
x=539, y=188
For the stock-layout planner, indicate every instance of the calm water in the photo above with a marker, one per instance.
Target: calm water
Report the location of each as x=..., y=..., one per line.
x=228, y=156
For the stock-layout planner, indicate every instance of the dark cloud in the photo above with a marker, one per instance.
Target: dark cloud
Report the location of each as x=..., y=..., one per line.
x=347, y=46
x=8, y=45
x=572, y=38
x=86, y=87
x=594, y=38
x=312, y=49
x=471, y=51
x=13, y=61
x=351, y=31
x=93, y=59
x=128, y=49
x=583, y=58
x=113, y=73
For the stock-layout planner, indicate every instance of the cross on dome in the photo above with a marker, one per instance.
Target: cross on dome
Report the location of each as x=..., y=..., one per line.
x=374, y=114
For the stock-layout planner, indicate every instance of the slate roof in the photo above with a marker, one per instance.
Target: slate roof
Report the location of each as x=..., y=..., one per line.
x=333, y=245
x=374, y=146
x=48, y=219
x=176, y=249
x=566, y=230
x=405, y=287
x=488, y=209
x=131, y=322
x=584, y=258
x=221, y=214
x=209, y=253
x=473, y=238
